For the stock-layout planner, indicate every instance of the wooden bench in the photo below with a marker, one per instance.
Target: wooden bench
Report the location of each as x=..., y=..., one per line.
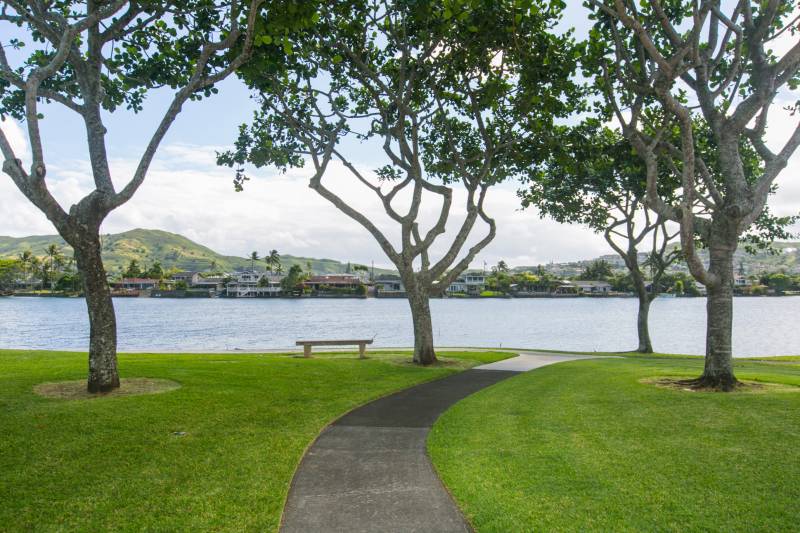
x=360, y=343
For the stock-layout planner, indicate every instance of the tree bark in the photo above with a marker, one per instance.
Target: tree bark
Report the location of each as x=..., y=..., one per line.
x=103, y=374
x=642, y=324
x=718, y=371
x=419, y=300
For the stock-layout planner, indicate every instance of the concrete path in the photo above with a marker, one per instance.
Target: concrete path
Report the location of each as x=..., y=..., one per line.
x=370, y=471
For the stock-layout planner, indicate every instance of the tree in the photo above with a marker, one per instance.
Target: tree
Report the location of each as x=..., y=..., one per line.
x=253, y=258
x=95, y=57
x=273, y=260
x=155, y=272
x=293, y=279
x=779, y=282
x=594, y=177
x=54, y=262
x=10, y=270
x=361, y=268
x=502, y=266
x=24, y=258
x=431, y=88
x=666, y=66
x=598, y=270
x=133, y=270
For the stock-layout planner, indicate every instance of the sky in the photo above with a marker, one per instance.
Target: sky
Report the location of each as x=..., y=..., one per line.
x=187, y=193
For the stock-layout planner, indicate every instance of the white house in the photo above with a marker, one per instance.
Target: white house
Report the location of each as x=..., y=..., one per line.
x=216, y=283
x=472, y=283
x=252, y=284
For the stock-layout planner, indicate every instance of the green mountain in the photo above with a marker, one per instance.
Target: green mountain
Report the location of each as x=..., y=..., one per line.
x=171, y=250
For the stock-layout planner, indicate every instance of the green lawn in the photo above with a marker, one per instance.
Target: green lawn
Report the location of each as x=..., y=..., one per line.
x=584, y=446
x=115, y=463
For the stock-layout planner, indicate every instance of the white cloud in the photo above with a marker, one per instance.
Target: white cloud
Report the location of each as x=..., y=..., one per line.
x=16, y=137
x=185, y=192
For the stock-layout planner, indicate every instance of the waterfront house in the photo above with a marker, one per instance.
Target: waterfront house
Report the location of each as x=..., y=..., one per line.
x=190, y=278
x=389, y=285
x=592, y=287
x=252, y=284
x=213, y=283
x=139, y=284
x=459, y=286
x=471, y=284
x=334, y=284
x=563, y=286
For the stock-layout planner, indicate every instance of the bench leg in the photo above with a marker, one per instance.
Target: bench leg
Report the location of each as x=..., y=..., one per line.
x=362, y=348
x=306, y=350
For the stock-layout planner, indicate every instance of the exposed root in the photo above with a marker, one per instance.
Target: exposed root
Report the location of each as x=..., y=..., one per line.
x=700, y=385
x=76, y=390
x=711, y=384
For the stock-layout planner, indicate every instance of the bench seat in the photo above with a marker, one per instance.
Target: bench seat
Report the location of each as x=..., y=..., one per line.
x=361, y=343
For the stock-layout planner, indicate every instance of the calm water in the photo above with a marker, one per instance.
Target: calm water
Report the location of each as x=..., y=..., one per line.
x=762, y=326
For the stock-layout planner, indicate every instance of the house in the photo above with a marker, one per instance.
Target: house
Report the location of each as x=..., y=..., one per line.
x=564, y=287
x=592, y=287
x=214, y=283
x=335, y=284
x=253, y=284
x=189, y=278
x=389, y=285
x=459, y=286
x=137, y=284
x=742, y=281
x=471, y=283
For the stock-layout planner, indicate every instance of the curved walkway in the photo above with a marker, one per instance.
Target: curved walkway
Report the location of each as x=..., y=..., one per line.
x=370, y=471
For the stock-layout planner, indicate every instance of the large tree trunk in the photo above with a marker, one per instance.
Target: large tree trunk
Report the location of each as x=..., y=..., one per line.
x=419, y=300
x=642, y=319
x=718, y=371
x=103, y=375
x=642, y=324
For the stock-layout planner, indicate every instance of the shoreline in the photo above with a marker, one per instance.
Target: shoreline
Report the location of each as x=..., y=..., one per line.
x=355, y=297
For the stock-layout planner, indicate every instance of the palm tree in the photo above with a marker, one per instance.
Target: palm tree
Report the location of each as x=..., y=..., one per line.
x=253, y=259
x=36, y=268
x=25, y=258
x=55, y=260
x=279, y=268
x=275, y=260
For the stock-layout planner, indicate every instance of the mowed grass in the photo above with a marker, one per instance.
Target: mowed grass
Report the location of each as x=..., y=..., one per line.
x=584, y=446
x=216, y=454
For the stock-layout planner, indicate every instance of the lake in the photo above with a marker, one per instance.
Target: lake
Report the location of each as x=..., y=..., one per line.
x=762, y=325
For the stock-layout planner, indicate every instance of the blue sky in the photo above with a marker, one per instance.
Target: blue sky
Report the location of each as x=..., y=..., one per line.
x=187, y=193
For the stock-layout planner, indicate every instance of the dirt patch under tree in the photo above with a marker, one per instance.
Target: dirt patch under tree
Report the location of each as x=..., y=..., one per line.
x=76, y=390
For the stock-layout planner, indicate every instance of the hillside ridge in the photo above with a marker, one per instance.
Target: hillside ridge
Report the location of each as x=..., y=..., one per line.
x=172, y=250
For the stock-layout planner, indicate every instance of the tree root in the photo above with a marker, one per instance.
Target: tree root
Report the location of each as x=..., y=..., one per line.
x=710, y=383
